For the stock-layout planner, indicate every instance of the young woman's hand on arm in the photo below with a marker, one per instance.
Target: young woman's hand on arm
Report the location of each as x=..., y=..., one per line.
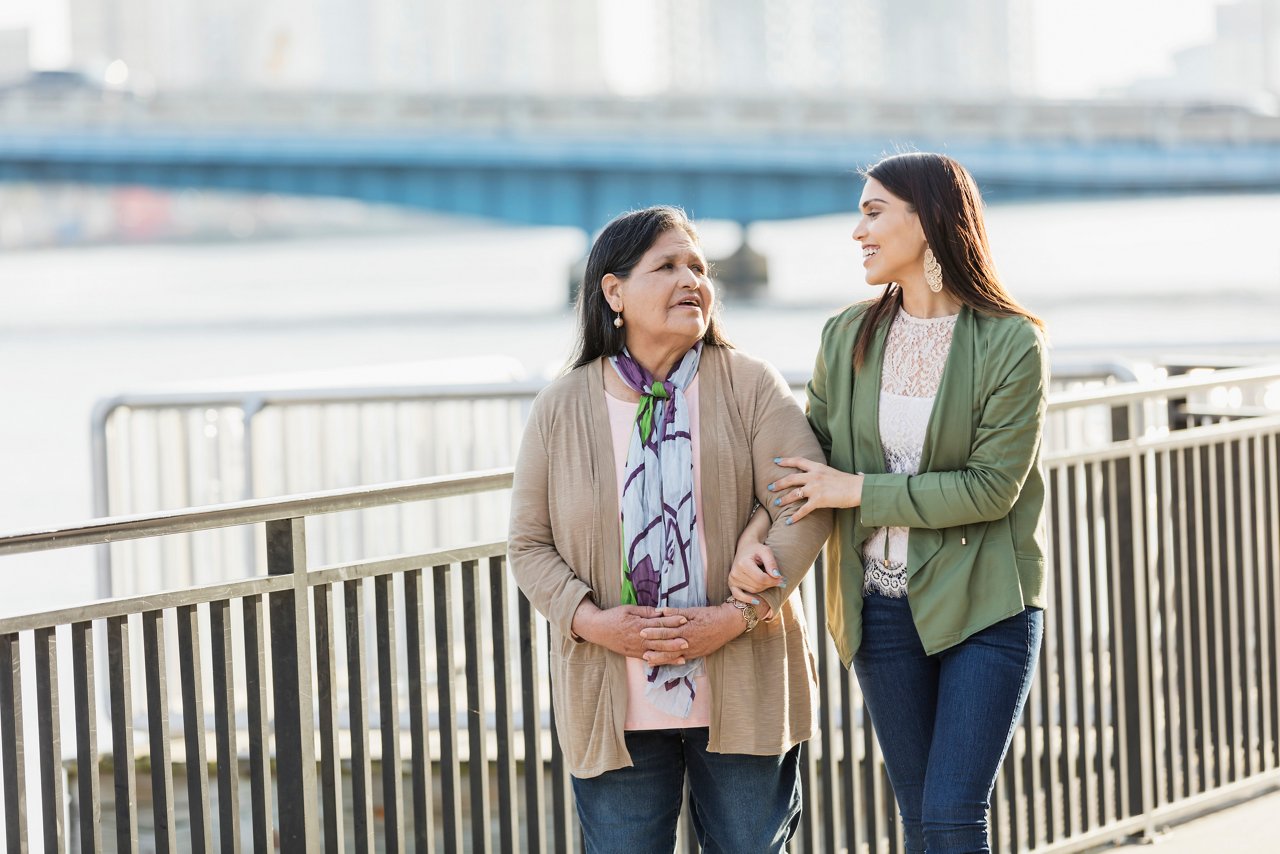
x=754, y=567
x=817, y=485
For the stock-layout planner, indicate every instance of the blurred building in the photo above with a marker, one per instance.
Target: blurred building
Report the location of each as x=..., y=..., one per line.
x=416, y=45
x=940, y=48
x=14, y=52
x=165, y=43
x=905, y=48
x=767, y=46
x=1241, y=63
x=924, y=48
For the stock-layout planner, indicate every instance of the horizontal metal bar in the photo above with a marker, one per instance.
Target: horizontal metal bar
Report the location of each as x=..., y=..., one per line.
x=256, y=398
x=1205, y=411
x=1191, y=437
x=142, y=604
x=400, y=563
x=118, y=528
x=1173, y=387
x=247, y=587
x=1171, y=813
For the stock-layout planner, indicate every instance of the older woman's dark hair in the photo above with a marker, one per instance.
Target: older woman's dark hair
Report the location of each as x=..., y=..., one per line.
x=617, y=250
x=946, y=198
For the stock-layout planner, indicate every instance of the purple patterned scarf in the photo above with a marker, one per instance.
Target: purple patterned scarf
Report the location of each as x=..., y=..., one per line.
x=661, y=561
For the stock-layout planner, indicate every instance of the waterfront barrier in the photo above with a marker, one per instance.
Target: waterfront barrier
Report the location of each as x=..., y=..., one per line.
x=399, y=701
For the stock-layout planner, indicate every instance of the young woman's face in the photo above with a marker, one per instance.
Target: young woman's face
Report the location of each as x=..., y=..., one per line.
x=668, y=298
x=891, y=237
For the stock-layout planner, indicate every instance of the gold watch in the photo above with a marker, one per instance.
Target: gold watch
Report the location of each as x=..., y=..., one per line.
x=749, y=615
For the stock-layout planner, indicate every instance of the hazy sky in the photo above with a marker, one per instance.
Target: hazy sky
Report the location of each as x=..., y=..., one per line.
x=1081, y=45
x=1085, y=45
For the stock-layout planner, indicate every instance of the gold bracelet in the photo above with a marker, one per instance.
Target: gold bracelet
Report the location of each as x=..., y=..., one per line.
x=749, y=615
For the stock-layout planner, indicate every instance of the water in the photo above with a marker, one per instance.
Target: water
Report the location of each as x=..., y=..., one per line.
x=1133, y=278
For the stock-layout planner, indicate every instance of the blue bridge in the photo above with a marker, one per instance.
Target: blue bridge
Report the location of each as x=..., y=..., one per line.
x=580, y=162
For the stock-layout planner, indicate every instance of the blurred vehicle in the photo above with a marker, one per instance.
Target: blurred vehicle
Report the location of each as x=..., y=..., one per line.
x=57, y=81
x=70, y=84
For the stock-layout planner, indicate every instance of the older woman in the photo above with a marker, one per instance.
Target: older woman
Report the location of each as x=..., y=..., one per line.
x=619, y=539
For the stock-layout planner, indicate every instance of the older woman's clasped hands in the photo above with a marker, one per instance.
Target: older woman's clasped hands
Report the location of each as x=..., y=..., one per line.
x=658, y=635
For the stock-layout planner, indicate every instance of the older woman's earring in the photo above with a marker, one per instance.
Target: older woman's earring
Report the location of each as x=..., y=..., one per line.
x=932, y=270
x=617, y=321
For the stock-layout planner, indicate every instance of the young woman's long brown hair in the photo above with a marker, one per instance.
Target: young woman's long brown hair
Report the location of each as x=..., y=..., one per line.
x=945, y=197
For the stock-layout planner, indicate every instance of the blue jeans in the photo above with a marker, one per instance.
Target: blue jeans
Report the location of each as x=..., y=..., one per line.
x=944, y=721
x=740, y=804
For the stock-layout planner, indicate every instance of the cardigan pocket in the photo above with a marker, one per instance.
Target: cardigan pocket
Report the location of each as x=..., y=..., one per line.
x=583, y=707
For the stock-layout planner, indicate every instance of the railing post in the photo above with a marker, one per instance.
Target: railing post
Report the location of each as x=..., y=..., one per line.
x=1132, y=579
x=52, y=801
x=13, y=758
x=291, y=683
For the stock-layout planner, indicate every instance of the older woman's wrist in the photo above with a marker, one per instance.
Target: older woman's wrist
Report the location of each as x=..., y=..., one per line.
x=738, y=619
x=580, y=624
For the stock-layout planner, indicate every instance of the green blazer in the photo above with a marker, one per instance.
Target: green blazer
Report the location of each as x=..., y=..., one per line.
x=975, y=553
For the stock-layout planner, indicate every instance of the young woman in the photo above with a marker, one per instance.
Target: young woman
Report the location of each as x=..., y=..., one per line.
x=929, y=403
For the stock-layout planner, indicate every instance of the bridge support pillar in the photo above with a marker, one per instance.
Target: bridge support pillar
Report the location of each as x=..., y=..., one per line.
x=744, y=274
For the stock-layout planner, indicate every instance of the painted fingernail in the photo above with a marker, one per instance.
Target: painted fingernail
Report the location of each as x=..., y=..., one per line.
x=775, y=573
x=788, y=520
x=782, y=583
x=777, y=459
x=755, y=601
x=777, y=502
x=770, y=487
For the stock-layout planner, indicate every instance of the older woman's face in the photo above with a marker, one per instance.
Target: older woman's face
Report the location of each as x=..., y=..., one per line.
x=668, y=298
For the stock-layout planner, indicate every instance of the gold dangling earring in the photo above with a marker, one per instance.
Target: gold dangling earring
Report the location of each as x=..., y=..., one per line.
x=932, y=270
x=617, y=321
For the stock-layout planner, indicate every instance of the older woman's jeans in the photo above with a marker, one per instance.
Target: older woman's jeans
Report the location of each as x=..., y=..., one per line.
x=739, y=803
x=944, y=721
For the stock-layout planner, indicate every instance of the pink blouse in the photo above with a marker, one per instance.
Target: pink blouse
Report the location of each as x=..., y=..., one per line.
x=640, y=713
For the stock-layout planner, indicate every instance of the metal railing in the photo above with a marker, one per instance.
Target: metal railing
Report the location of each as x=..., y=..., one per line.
x=165, y=450
x=291, y=637
x=1158, y=691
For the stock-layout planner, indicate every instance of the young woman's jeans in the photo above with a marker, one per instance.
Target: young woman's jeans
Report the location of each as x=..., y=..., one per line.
x=944, y=721
x=739, y=803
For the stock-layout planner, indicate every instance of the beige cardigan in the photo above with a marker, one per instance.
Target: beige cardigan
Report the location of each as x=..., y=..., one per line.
x=565, y=545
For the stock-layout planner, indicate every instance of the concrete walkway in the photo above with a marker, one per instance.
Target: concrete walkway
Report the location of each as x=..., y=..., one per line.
x=1251, y=827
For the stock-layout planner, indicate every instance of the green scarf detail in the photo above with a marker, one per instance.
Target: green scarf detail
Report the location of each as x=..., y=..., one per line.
x=644, y=411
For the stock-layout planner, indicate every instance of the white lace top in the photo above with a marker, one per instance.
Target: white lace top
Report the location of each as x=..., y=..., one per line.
x=914, y=357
